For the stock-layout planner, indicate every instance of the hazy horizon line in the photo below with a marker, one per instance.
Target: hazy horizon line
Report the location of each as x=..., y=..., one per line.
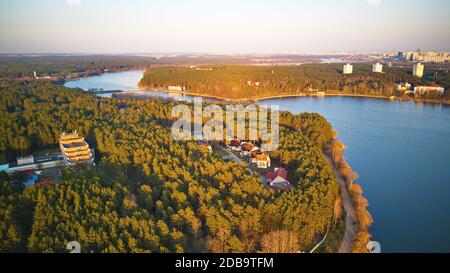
x=198, y=53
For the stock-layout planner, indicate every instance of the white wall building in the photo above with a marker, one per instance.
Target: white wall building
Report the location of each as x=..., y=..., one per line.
x=418, y=70
x=425, y=89
x=377, y=68
x=26, y=160
x=348, y=69
x=176, y=88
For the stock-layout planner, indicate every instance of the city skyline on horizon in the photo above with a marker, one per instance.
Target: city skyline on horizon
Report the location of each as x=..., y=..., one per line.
x=217, y=27
x=228, y=54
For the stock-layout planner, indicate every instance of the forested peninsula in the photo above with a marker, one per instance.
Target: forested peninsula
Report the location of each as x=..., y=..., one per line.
x=149, y=193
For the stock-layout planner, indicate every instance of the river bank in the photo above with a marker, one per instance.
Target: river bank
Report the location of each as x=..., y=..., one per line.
x=331, y=93
x=351, y=96
x=97, y=72
x=192, y=94
x=357, y=218
x=349, y=211
x=252, y=100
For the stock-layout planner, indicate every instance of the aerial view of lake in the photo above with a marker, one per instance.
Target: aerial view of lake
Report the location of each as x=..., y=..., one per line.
x=108, y=81
x=401, y=151
x=123, y=81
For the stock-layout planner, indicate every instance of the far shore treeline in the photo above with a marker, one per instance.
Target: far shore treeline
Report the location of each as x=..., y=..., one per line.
x=253, y=82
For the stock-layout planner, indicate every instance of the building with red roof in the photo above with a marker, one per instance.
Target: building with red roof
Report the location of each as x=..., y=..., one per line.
x=278, y=179
x=281, y=172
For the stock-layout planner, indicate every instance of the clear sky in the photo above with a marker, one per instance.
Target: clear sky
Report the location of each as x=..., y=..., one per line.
x=228, y=26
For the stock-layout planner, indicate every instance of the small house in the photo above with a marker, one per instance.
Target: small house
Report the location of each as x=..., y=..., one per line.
x=278, y=179
x=263, y=161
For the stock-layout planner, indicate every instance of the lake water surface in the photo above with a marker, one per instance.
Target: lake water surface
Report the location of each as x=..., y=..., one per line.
x=121, y=81
x=401, y=151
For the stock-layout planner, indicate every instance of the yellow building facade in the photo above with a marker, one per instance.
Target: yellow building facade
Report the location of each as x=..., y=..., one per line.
x=75, y=149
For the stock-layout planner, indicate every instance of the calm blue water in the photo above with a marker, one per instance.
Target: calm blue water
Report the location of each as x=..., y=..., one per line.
x=123, y=81
x=108, y=81
x=401, y=151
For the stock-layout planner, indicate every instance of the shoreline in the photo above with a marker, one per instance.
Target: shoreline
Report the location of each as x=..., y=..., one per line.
x=350, y=216
x=254, y=100
x=195, y=94
x=353, y=212
x=93, y=73
x=326, y=95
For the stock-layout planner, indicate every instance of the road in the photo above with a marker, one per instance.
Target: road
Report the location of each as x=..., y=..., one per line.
x=320, y=243
x=350, y=213
x=235, y=158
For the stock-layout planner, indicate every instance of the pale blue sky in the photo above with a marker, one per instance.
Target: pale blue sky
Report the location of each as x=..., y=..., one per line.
x=231, y=26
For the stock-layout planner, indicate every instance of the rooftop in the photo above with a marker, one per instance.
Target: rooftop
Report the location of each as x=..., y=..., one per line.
x=262, y=157
x=281, y=172
x=76, y=144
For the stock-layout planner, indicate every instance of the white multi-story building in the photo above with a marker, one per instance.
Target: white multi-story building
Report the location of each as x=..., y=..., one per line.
x=426, y=57
x=377, y=68
x=418, y=70
x=348, y=69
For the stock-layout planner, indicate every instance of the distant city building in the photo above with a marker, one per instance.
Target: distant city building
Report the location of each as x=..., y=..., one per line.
x=377, y=68
x=426, y=57
x=426, y=89
x=348, y=69
x=418, y=70
x=75, y=149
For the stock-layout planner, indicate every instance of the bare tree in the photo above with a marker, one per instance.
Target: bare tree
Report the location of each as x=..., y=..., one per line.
x=280, y=241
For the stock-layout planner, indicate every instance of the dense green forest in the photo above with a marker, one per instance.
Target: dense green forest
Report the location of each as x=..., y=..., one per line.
x=73, y=66
x=231, y=81
x=149, y=193
x=18, y=67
